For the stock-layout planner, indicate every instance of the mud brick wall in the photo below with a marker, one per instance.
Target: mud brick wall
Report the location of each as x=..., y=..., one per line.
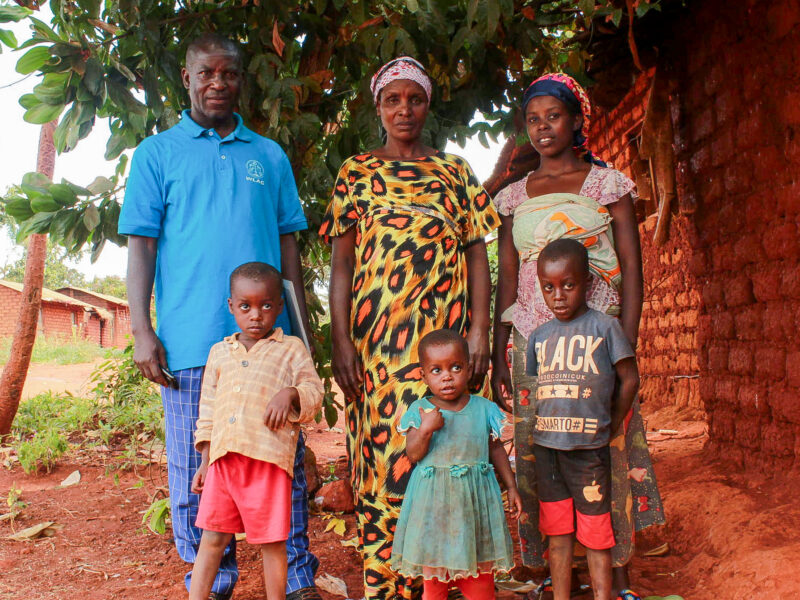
x=668, y=352
x=739, y=156
x=729, y=308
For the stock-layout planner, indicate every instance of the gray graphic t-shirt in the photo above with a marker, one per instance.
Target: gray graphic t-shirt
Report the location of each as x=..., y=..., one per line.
x=574, y=361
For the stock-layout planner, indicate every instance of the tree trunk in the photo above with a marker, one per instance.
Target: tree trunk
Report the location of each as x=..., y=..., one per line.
x=15, y=371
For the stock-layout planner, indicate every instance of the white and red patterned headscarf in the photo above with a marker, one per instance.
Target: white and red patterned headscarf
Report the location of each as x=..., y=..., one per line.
x=402, y=67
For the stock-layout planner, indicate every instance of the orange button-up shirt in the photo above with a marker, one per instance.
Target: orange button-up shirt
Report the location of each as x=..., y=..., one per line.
x=237, y=386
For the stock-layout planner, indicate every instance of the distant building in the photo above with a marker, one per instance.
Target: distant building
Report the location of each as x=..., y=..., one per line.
x=119, y=327
x=103, y=319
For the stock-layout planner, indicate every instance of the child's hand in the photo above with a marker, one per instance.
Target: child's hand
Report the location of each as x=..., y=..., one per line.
x=514, y=502
x=277, y=412
x=199, y=479
x=432, y=420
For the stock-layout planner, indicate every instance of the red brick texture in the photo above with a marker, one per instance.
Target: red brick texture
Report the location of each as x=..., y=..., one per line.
x=55, y=319
x=723, y=294
x=117, y=331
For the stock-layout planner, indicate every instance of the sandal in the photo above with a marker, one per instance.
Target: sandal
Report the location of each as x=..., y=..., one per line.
x=628, y=595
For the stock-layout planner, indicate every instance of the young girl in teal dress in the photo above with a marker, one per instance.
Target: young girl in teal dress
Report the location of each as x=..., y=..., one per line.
x=452, y=528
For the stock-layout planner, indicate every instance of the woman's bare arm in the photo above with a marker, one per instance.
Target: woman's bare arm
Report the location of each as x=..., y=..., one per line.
x=506, y=295
x=629, y=252
x=347, y=367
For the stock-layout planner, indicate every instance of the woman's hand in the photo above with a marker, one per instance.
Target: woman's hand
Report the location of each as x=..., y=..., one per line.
x=347, y=368
x=478, y=341
x=501, y=384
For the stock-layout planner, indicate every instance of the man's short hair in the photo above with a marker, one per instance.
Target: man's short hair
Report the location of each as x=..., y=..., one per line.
x=566, y=248
x=442, y=337
x=213, y=41
x=257, y=271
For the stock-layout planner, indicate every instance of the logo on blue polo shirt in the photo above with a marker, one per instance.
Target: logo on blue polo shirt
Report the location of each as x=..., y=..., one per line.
x=255, y=171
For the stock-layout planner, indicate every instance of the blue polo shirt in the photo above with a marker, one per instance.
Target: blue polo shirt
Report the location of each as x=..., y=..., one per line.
x=213, y=204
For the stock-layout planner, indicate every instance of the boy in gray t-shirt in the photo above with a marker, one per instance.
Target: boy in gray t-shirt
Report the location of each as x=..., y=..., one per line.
x=587, y=380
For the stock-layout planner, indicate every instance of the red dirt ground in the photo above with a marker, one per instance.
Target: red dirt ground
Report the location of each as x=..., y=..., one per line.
x=732, y=535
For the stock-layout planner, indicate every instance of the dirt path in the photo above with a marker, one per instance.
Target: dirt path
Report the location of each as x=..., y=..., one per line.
x=58, y=378
x=732, y=535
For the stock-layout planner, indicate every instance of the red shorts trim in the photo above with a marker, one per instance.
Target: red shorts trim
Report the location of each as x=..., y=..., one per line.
x=242, y=494
x=557, y=518
x=595, y=531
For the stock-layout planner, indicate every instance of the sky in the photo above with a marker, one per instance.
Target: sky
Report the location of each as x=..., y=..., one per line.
x=85, y=162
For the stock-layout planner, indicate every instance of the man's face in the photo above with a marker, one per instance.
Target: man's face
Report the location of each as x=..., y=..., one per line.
x=213, y=77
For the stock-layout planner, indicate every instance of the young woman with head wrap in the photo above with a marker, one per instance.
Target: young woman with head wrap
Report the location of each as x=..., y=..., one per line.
x=407, y=224
x=571, y=194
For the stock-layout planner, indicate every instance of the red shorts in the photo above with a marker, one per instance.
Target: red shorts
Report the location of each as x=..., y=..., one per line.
x=242, y=494
x=575, y=494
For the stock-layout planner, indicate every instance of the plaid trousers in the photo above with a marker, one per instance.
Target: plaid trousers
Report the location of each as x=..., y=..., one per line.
x=180, y=415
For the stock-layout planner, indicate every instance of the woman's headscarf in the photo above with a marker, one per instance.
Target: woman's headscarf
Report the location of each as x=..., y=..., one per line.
x=567, y=90
x=402, y=67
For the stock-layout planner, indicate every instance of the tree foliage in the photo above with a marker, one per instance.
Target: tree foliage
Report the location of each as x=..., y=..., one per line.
x=308, y=65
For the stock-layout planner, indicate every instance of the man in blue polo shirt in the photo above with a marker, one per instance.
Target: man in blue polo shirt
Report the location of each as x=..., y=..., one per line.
x=201, y=199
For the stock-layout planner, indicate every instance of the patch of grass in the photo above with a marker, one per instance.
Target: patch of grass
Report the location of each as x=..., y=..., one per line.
x=65, y=412
x=42, y=451
x=60, y=351
x=124, y=412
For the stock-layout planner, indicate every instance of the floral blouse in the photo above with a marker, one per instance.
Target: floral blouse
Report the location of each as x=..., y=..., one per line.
x=606, y=186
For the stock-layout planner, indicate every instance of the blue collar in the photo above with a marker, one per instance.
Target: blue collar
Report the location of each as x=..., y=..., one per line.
x=192, y=128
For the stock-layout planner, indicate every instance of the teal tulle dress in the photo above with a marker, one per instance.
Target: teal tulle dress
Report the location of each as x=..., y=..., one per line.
x=452, y=521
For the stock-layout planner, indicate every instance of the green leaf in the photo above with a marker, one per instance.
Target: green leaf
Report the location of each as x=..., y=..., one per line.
x=412, y=5
x=8, y=38
x=29, y=101
x=44, y=204
x=115, y=145
x=50, y=94
x=43, y=30
x=331, y=415
x=13, y=13
x=586, y=7
x=97, y=246
x=100, y=185
x=616, y=17
x=38, y=223
x=93, y=77
x=63, y=194
x=36, y=179
x=79, y=191
x=43, y=113
x=91, y=217
x=62, y=132
x=33, y=60
x=18, y=209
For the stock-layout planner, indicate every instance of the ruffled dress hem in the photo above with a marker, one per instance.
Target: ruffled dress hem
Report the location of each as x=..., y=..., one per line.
x=445, y=574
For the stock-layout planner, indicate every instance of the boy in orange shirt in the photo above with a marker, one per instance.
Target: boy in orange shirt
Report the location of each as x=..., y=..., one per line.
x=258, y=386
